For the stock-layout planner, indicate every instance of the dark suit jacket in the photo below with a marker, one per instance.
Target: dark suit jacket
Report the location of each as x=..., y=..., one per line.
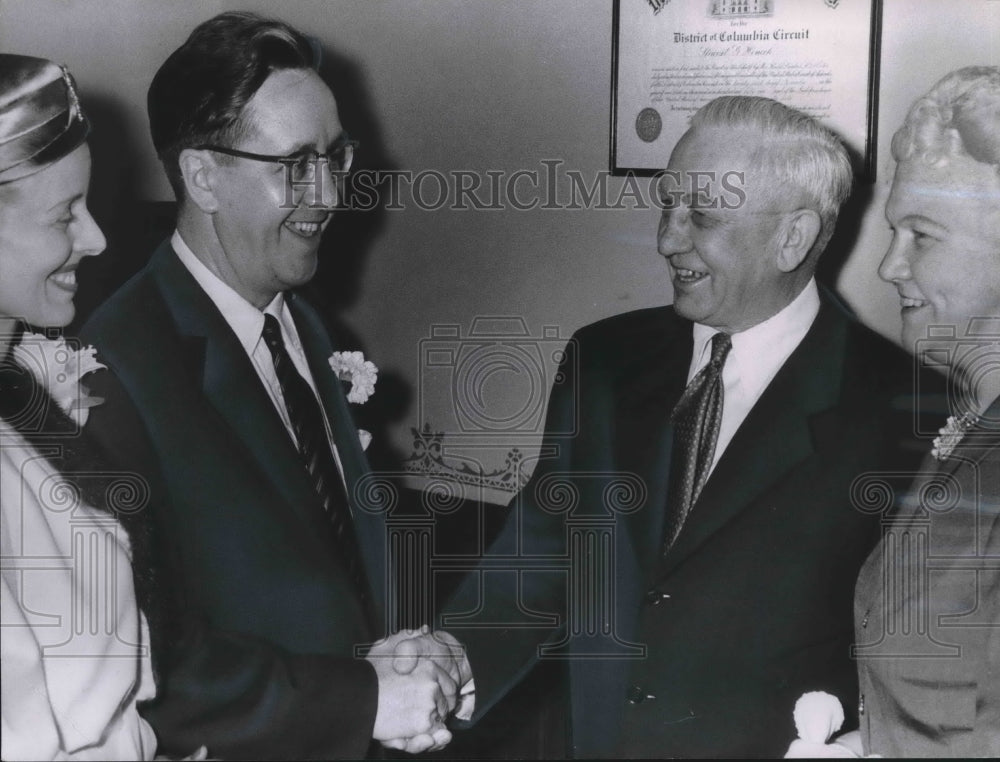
x=927, y=611
x=257, y=655
x=703, y=651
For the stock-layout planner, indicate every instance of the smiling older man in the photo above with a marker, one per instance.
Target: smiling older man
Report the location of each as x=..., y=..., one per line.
x=746, y=410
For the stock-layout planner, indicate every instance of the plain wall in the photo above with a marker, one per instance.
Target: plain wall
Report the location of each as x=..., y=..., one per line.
x=464, y=85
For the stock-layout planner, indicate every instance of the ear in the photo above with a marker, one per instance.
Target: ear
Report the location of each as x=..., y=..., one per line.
x=796, y=238
x=199, y=169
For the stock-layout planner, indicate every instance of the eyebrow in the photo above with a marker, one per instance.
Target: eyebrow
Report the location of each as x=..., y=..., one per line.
x=911, y=218
x=309, y=147
x=65, y=202
x=677, y=195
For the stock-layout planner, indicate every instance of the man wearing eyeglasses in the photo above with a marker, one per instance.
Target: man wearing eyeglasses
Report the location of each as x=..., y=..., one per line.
x=270, y=571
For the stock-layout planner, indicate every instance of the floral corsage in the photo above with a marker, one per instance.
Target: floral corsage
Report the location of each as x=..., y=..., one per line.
x=59, y=368
x=950, y=435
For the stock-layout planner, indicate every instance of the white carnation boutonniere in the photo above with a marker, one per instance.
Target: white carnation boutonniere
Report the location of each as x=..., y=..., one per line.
x=59, y=368
x=950, y=435
x=362, y=373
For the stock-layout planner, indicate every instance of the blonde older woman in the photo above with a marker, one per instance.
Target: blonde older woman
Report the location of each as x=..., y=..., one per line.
x=73, y=646
x=927, y=604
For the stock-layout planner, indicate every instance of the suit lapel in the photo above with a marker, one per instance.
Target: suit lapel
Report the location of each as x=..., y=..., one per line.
x=643, y=433
x=231, y=384
x=779, y=432
x=369, y=519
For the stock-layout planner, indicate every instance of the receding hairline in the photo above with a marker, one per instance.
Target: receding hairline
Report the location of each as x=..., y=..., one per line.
x=248, y=118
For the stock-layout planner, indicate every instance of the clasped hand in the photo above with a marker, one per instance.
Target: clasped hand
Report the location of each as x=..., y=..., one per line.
x=421, y=677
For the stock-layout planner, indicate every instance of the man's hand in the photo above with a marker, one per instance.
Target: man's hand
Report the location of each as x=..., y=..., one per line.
x=412, y=702
x=439, y=646
x=438, y=654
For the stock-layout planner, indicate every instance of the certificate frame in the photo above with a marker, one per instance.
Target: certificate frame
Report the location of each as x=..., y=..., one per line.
x=648, y=115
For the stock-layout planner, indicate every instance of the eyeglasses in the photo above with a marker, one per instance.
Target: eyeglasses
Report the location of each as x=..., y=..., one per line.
x=302, y=165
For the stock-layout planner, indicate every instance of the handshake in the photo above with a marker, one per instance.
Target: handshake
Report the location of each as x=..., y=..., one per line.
x=423, y=677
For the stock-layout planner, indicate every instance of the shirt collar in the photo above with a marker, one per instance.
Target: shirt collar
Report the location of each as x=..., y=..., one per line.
x=756, y=350
x=244, y=318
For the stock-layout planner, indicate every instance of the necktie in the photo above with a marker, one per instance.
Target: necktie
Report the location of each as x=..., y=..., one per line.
x=306, y=418
x=697, y=418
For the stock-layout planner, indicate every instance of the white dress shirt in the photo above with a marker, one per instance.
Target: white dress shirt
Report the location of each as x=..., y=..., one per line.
x=247, y=322
x=756, y=357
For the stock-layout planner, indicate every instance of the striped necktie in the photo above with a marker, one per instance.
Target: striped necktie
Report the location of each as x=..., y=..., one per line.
x=307, y=421
x=697, y=418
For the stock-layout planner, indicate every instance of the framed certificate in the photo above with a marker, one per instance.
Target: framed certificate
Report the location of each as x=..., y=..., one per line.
x=672, y=56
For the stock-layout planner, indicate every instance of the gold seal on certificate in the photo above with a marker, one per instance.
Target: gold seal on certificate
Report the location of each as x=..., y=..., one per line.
x=648, y=125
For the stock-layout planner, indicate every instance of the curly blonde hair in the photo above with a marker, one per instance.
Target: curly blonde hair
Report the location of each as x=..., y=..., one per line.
x=959, y=116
